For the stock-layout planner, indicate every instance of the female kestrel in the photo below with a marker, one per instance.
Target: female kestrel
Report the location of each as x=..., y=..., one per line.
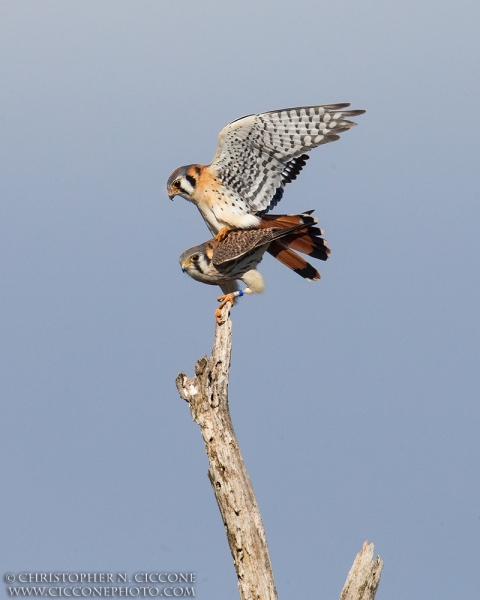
x=237, y=254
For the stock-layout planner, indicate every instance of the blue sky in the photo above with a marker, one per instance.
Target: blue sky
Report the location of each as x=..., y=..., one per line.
x=355, y=398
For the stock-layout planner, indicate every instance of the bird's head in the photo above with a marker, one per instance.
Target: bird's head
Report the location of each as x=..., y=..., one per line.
x=183, y=181
x=197, y=262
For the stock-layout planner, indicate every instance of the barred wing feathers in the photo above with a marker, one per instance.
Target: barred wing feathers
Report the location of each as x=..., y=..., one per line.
x=259, y=154
x=244, y=241
x=240, y=243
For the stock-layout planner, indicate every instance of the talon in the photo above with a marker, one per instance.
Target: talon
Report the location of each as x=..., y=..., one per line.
x=223, y=300
x=223, y=233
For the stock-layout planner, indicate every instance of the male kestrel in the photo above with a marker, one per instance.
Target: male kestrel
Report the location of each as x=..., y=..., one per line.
x=256, y=157
x=236, y=255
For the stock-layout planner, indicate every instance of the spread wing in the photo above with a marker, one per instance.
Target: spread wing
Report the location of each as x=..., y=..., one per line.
x=259, y=154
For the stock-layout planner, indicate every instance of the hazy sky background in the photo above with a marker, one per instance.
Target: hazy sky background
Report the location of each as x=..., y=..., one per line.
x=355, y=399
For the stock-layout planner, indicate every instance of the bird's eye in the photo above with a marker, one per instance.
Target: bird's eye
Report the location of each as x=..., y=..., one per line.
x=194, y=257
x=176, y=183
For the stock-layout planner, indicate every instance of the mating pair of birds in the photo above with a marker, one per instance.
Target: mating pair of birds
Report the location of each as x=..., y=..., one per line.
x=256, y=157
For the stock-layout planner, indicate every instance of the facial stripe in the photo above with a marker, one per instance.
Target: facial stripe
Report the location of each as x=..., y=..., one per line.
x=191, y=180
x=185, y=185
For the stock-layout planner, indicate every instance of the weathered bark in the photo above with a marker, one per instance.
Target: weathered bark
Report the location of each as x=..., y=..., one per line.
x=207, y=395
x=364, y=576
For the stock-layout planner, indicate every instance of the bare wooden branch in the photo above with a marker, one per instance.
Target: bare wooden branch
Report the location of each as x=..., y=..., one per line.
x=364, y=576
x=207, y=395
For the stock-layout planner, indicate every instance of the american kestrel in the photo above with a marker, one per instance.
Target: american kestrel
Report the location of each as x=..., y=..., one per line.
x=237, y=254
x=256, y=157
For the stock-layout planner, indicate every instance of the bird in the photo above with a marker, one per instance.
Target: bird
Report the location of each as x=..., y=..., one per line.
x=257, y=155
x=237, y=254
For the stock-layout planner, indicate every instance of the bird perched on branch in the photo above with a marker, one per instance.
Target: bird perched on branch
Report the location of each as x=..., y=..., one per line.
x=236, y=255
x=256, y=157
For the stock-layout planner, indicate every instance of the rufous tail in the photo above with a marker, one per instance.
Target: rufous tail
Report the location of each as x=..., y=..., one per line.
x=307, y=241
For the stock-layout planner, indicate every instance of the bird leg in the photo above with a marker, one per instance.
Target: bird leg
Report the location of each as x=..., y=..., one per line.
x=223, y=300
x=223, y=233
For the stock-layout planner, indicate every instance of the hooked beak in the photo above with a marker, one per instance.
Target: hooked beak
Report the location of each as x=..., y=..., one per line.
x=171, y=194
x=183, y=265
